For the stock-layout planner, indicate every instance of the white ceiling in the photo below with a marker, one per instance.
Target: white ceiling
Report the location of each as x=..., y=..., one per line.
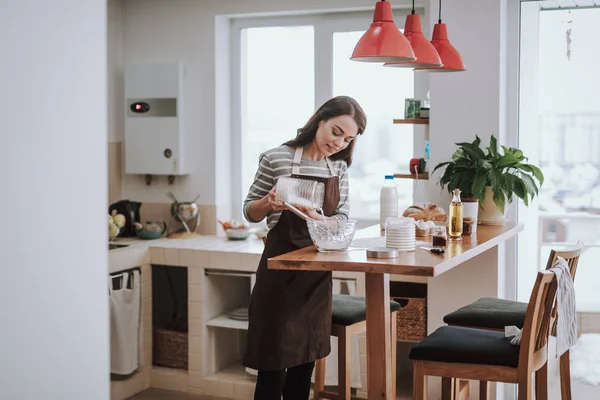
x=568, y=3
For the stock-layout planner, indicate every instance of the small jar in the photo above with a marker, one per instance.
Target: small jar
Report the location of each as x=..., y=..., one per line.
x=439, y=236
x=467, y=225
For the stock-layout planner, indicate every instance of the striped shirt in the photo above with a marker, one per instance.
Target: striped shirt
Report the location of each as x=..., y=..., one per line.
x=276, y=163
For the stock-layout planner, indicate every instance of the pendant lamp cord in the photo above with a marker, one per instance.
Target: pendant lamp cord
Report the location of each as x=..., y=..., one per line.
x=440, y=17
x=413, y=9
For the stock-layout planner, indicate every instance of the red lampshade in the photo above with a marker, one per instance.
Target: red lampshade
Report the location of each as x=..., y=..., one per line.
x=383, y=42
x=427, y=55
x=450, y=57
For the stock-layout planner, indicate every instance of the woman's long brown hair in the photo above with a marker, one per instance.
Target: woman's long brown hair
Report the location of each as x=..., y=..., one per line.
x=340, y=105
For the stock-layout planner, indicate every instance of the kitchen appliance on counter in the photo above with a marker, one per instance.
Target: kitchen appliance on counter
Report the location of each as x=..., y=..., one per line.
x=185, y=212
x=131, y=211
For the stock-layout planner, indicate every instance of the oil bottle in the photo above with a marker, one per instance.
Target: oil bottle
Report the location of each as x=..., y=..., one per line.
x=455, y=217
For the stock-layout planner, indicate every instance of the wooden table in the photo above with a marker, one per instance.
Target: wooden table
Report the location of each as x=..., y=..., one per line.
x=377, y=284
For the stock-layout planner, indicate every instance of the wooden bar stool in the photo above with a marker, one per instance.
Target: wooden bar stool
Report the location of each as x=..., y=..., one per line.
x=494, y=314
x=485, y=355
x=348, y=319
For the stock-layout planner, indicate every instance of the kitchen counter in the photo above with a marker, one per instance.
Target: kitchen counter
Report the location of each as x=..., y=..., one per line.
x=220, y=276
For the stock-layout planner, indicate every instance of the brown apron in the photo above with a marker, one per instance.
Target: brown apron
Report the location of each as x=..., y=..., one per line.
x=290, y=311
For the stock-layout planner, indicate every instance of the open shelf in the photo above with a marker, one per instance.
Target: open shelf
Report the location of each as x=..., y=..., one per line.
x=412, y=176
x=223, y=321
x=412, y=121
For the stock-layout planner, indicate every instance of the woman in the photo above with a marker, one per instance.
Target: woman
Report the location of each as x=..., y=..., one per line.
x=290, y=311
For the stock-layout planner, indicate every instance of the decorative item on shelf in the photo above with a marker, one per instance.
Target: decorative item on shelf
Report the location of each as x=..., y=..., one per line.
x=383, y=41
x=417, y=165
x=412, y=108
x=455, y=217
x=492, y=177
x=427, y=55
x=450, y=57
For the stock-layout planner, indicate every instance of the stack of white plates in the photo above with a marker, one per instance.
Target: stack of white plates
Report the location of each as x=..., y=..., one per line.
x=400, y=234
x=240, y=314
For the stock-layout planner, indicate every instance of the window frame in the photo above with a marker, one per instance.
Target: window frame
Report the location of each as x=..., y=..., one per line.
x=324, y=26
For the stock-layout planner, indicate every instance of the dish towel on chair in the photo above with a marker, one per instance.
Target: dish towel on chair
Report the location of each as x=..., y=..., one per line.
x=566, y=318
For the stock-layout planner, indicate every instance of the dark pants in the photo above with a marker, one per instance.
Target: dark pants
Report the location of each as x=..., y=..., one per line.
x=294, y=383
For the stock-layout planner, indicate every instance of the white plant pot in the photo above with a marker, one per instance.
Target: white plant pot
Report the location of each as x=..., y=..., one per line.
x=488, y=211
x=471, y=209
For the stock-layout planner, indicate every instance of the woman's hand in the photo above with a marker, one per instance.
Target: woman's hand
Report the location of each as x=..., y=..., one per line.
x=273, y=203
x=312, y=213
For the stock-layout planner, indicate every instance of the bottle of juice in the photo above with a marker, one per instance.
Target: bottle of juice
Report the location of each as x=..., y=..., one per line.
x=455, y=217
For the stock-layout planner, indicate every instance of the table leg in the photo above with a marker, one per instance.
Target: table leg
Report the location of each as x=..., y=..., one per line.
x=379, y=343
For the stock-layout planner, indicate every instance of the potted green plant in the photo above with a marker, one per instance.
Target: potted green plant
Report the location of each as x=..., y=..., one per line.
x=491, y=176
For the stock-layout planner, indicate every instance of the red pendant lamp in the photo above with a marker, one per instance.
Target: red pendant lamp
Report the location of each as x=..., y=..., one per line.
x=450, y=57
x=383, y=41
x=427, y=55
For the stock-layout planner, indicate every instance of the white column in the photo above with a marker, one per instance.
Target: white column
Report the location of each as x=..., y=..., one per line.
x=54, y=297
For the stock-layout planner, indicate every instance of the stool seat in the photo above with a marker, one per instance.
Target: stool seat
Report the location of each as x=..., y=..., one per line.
x=489, y=313
x=348, y=310
x=454, y=344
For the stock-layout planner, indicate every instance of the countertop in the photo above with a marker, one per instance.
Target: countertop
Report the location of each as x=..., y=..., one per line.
x=415, y=263
x=205, y=251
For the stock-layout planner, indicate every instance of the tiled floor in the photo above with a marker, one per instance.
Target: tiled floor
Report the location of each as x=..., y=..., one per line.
x=159, y=394
x=580, y=391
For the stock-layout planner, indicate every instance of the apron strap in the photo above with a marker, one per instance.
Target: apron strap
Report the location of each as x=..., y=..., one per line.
x=298, y=159
x=330, y=165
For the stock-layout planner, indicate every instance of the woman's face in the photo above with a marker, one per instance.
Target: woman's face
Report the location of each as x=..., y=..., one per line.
x=335, y=134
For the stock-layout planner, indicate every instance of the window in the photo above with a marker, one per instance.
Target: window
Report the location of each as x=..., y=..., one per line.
x=284, y=68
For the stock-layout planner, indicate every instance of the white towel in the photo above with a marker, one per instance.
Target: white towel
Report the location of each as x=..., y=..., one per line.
x=566, y=319
x=124, y=325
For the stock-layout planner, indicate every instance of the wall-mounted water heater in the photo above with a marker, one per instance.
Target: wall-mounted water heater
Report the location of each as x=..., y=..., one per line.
x=154, y=131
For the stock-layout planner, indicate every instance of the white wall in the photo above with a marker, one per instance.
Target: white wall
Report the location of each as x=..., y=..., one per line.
x=53, y=300
x=188, y=30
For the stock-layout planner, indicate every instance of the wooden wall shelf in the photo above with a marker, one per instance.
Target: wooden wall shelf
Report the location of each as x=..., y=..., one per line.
x=412, y=176
x=420, y=121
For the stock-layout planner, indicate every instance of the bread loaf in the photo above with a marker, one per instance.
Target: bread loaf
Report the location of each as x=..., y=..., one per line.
x=425, y=212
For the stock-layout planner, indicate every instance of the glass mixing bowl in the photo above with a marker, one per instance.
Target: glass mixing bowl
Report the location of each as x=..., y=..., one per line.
x=332, y=234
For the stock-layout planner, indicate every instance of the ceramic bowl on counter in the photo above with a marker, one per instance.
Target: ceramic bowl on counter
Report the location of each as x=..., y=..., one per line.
x=332, y=234
x=238, y=233
x=150, y=230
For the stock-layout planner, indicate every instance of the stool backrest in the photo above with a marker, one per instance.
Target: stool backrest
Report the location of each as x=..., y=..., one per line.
x=533, y=352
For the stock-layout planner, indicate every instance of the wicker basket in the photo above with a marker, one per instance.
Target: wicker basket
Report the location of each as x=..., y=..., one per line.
x=411, y=319
x=170, y=348
x=411, y=325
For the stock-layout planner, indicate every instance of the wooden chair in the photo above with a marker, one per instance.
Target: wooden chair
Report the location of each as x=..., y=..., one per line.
x=348, y=320
x=494, y=314
x=485, y=355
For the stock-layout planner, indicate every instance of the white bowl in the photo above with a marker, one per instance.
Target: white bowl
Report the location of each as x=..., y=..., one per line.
x=238, y=234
